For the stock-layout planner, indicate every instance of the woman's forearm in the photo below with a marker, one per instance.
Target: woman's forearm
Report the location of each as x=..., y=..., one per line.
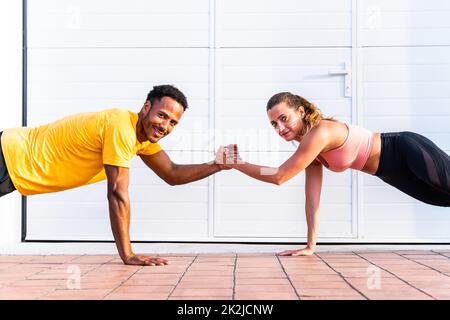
x=262, y=173
x=312, y=221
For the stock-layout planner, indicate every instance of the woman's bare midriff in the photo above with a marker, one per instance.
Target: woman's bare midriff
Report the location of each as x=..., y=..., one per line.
x=373, y=161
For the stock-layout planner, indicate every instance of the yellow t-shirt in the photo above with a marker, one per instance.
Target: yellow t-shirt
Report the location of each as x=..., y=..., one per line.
x=71, y=152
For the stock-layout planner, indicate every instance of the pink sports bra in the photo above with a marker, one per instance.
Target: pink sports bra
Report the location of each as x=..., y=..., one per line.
x=353, y=153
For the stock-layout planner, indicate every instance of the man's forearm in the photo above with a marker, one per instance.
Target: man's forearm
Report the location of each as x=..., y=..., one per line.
x=119, y=214
x=185, y=173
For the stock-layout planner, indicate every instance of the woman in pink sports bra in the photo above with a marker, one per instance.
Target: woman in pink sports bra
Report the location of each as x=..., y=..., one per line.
x=405, y=160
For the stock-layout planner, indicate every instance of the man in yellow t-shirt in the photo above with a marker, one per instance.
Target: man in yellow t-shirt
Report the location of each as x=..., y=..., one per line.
x=90, y=147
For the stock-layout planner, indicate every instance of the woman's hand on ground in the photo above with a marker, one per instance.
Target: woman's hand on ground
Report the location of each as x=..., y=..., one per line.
x=301, y=252
x=141, y=260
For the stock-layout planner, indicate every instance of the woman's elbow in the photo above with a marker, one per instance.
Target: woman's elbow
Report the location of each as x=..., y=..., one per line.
x=280, y=179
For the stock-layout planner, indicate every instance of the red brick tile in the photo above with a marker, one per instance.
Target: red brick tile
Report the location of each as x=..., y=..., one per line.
x=16, y=259
x=146, y=282
x=270, y=275
x=20, y=293
x=427, y=257
x=201, y=292
x=82, y=294
x=321, y=285
x=93, y=259
x=414, y=252
x=262, y=281
x=352, y=297
x=204, y=266
x=396, y=296
x=265, y=296
x=334, y=292
x=315, y=277
x=40, y=283
x=144, y=289
x=54, y=258
x=201, y=298
x=136, y=296
x=49, y=276
x=440, y=294
x=207, y=279
x=202, y=273
x=170, y=269
x=205, y=285
x=264, y=288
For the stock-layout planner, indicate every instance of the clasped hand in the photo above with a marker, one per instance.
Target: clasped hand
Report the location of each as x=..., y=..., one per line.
x=228, y=156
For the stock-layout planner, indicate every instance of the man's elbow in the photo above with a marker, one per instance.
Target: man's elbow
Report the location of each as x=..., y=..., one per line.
x=171, y=182
x=173, y=178
x=117, y=195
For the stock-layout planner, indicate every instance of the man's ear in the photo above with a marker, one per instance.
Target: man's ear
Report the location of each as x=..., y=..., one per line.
x=147, y=106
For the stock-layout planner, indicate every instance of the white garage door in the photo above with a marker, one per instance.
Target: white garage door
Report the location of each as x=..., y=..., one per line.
x=93, y=55
x=405, y=87
x=229, y=57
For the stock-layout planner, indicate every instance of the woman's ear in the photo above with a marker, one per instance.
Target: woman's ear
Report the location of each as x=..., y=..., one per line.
x=301, y=112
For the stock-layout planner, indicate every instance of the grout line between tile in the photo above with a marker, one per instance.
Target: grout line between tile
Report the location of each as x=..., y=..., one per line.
x=179, y=280
x=423, y=264
x=121, y=283
x=403, y=280
x=440, y=253
x=56, y=289
x=289, y=278
x=234, y=277
x=340, y=275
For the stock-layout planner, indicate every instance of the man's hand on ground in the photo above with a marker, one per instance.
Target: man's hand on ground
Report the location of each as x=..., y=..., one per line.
x=141, y=260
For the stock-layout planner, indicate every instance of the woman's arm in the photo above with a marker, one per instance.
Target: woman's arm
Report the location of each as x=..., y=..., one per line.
x=313, y=187
x=309, y=149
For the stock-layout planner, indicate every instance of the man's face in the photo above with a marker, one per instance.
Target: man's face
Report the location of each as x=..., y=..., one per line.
x=160, y=117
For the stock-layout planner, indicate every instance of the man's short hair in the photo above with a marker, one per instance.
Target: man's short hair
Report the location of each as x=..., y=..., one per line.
x=167, y=90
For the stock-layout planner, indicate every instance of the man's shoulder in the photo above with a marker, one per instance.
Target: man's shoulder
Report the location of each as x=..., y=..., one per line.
x=118, y=116
x=116, y=112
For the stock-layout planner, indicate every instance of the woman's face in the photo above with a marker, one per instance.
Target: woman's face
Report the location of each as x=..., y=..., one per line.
x=286, y=121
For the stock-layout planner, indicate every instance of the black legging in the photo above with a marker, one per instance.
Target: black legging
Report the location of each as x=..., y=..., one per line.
x=415, y=165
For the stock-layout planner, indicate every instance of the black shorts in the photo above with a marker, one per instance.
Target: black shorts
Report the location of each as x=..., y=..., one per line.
x=415, y=165
x=6, y=185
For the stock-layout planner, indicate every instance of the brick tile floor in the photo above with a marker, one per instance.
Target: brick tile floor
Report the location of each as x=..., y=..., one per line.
x=386, y=275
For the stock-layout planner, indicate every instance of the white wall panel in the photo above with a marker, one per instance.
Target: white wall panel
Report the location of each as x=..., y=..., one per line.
x=405, y=89
x=405, y=22
x=88, y=80
x=283, y=23
x=247, y=78
x=408, y=89
x=107, y=23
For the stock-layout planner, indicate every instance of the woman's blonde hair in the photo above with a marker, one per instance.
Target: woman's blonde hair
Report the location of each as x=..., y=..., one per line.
x=313, y=115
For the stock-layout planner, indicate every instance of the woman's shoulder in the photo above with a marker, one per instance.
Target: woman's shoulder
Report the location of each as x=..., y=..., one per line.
x=330, y=126
x=330, y=131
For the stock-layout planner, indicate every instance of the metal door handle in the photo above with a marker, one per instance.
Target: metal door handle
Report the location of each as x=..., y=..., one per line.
x=347, y=72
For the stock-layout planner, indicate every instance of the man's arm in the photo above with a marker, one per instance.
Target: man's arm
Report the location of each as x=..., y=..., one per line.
x=175, y=174
x=119, y=214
